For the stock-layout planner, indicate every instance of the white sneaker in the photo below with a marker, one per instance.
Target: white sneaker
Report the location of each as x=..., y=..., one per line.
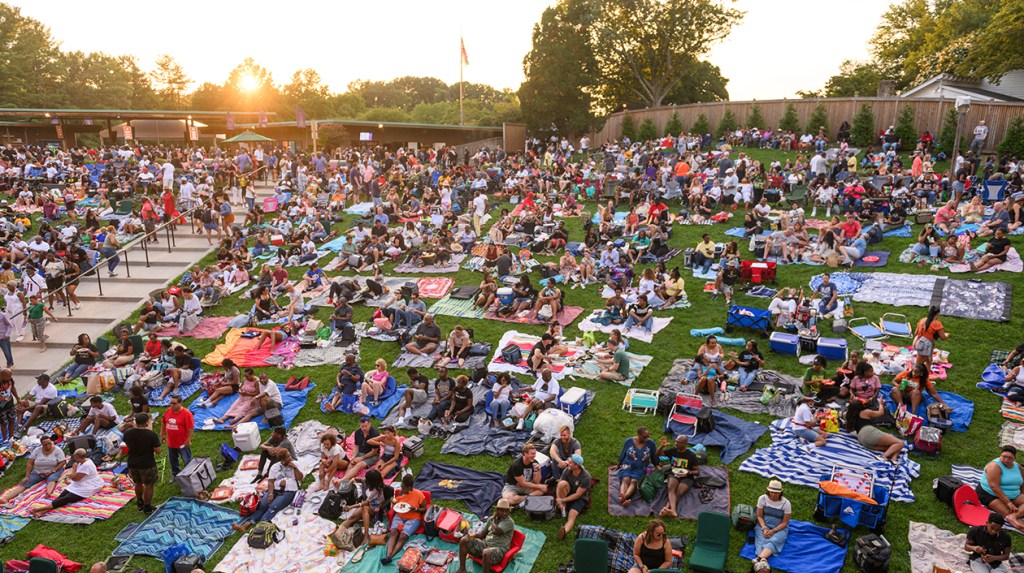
x=519, y=426
x=401, y=421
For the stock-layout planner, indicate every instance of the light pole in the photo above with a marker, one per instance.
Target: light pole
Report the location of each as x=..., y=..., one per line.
x=963, y=105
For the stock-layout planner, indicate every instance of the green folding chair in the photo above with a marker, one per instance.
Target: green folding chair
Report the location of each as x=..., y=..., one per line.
x=102, y=344
x=711, y=546
x=590, y=555
x=42, y=565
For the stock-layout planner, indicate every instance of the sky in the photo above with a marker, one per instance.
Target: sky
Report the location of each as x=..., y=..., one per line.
x=780, y=47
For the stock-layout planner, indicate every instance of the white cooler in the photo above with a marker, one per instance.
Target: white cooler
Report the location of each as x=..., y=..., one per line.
x=246, y=436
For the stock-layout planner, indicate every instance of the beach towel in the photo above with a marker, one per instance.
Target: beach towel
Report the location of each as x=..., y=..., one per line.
x=932, y=547
x=465, y=308
x=806, y=550
x=733, y=435
x=687, y=507
x=322, y=355
x=294, y=400
x=361, y=209
x=434, y=287
x=710, y=275
x=479, y=490
x=635, y=333
x=1012, y=411
x=1013, y=264
x=379, y=409
x=202, y=526
x=883, y=258
x=451, y=267
x=100, y=506
x=785, y=459
x=242, y=351
x=209, y=327
x=11, y=524
x=963, y=409
x=565, y=316
x=741, y=233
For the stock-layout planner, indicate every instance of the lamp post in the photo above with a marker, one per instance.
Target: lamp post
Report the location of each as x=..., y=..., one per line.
x=963, y=105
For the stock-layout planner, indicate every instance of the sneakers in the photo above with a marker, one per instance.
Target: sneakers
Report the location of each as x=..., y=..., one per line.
x=519, y=426
x=401, y=421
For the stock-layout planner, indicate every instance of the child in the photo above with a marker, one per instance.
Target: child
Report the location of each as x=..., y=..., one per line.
x=377, y=380
x=37, y=321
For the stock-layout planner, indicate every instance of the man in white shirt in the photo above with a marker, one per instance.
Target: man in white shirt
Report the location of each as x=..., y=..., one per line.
x=38, y=248
x=819, y=165
x=270, y=394
x=38, y=399
x=980, y=134
x=168, y=169
x=186, y=193
x=479, y=210
x=101, y=416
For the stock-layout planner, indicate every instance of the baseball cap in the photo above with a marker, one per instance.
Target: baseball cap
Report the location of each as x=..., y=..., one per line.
x=577, y=459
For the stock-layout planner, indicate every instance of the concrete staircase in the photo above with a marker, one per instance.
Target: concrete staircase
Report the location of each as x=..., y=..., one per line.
x=120, y=297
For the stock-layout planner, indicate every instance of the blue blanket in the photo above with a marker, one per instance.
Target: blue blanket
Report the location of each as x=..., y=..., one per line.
x=381, y=408
x=294, y=400
x=883, y=257
x=185, y=390
x=904, y=231
x=201, y=525
x=698, y=274
x=806, y=551
x=620, y=218
x=478, y=489
x=333, y=245
x=963, y=409
x=786, y=460
x=733, y=435
x=961, y=230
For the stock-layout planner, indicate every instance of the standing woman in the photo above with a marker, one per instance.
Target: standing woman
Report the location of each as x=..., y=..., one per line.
x=652, y=550
x=14, y=306
x=109, y=250
x=773, y=512
x=929, y=331
x=72, y=272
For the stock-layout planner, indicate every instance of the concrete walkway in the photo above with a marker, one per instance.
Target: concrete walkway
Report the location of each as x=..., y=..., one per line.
x=121, y=296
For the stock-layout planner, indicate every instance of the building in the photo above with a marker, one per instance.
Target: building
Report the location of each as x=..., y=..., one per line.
x=1010, y=88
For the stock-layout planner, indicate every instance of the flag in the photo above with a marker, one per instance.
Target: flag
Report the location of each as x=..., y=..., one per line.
x=231, y=122
x=465, y=57
x=300, y=118
x=263, y=119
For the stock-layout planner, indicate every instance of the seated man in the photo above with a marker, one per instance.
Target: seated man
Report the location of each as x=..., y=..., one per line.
x=349, y=379
x=426, y=338
x=271, y=449
x=640, y=314
x=616, y=368
x=416, y=395
x=683, y=466
x=408, y=314
x=549, y=296
x=40, y=400
x=367, y=455
x=523, y=478
x=282, y=483
x=444, y=392
x=493, y=540
x=989, y=545
x=342, y=315
x=404, y=525
x=999, y=221
x=781, y=244
x=150, y=318
x=543, y=393
x=101, y=416
x=85, y=483
x=572, y=493
x=829, y=295
x=542, y=352
x=180, y=373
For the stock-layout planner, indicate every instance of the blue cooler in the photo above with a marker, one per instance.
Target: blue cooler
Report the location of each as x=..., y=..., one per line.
x=505, y=296
x=573, y=401
x=832, y=348
x=785, y=343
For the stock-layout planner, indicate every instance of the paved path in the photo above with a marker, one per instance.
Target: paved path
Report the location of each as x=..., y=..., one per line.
x=121, y=296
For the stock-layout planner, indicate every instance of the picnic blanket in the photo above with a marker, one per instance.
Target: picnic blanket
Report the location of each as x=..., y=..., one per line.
x=301, y=550
x=562, y=367
x=11, y=524
x=203, y=526
x=785, y=459
x=687, y=507
x=734, y=435
x=184, y=390
x=451, y=267
x=208, y=327
x=780, y=405
x=480, y=437
x=1012, y=434
x=322, y=355
x=589, y=368
x=979, y=300
x=478, y=489
x=636, y=333
x=294, y=400
x=379, y=409
x=620, y=547
x=741, y=233
x=932, y=547
x=565, y=316
x=904, y=231
x=421, y=411
x=883, y=258
x=1013, y=264
x=465, y=308
x=434, y=287
x=242, y=351
x=100, y=506
x=1012, y=411
x=806, y=550
x=963, y=409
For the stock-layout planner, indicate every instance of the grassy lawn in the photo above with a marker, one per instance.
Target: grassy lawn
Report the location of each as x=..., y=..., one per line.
x=604, y=427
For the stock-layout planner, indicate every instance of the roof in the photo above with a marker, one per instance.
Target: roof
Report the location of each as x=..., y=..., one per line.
x=134, y=113
x=969, y=86
x=988, y=94
x=370, y=123
x=247, y=136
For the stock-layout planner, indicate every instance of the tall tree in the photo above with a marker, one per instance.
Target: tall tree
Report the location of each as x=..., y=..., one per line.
x=208, y=97
x=862, y=129
x=250, y=87
x=306, y=90
x=754, y=117
x=171, y=82
x=28, y=61
x=818, y=120
x=1000, y=48
x=647, y=47
x=854, y=79
x=789, y=120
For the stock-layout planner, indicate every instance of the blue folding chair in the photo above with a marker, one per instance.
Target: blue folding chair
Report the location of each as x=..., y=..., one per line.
x=894, y=324
x=994, y=190
x=864, y=329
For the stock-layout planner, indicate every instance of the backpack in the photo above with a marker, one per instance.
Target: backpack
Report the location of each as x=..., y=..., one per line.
x=651, y=485
x=872, y=554
x=410, y=560
x=743, y=517
x=333, y=506
x=540, y=508
x=705, y=420
x=264, y=534
x=512, y=354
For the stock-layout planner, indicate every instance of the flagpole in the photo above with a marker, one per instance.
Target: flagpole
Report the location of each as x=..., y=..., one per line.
x=462, y=117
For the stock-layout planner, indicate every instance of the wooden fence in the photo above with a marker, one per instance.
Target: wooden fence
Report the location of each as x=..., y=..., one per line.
x=928, y=115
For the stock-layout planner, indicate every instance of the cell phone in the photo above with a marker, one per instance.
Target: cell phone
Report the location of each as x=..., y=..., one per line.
x=118, y=562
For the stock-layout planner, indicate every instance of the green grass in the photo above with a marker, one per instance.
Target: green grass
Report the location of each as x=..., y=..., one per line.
x=604, y=427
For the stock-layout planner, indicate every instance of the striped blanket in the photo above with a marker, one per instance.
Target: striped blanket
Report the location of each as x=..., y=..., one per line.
x=786, y=460
x=100, y=506
x=1012, y=411
x=1012, y=434
x=449, y=306
x=561, y=368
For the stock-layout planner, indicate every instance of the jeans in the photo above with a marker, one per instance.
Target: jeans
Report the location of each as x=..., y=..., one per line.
x=184, y=454
x=704, y=262
x=647, y=324
x=267, y=509
x=850, y=204
x=500, y=409
x=405, y=318
x=979, y=566
x=825, y=308
x=921, y=194
x=5, y=345
x=747, y=377
x=250, y=203
x=889, y=145
x=75, y=370
x=340, y=324
x=113, y=259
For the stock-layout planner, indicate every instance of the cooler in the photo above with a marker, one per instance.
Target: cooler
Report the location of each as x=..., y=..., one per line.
x=573, y=402
x=784, y=343
x=832, y=348
x=808, y=341
x=545, y=465
x=505, y=296
x=246, y=436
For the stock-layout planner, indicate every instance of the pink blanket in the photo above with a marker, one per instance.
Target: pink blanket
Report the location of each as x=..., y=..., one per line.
x=210, y=327
x=565, y=316
x=1013, y=264
x=434, y=287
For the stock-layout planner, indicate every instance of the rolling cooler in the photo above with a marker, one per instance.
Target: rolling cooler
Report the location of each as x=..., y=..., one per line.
x=850, y=511
x=748, y=317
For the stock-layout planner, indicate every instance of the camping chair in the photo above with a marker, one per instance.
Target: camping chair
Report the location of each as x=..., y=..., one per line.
x=678, y=415
x=42, y=565
x=124, y=207
x=518, y=539
x=894, y=324
x=864, y=329
x=102, y=344
x=797, y=194
x=590, y=555
x=712, y=543
x=994, y=190
x=641, y=401
x=968, y=507
x=672, y=190
x=137, y=344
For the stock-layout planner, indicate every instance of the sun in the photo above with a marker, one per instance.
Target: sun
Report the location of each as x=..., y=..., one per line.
x=249, y=82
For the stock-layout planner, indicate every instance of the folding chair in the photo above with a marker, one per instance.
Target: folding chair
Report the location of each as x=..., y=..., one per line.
x=993, y=190
x=894, y=324
x=683, y=417
x=590, y=555
x=641, y=401
x=712, y=543
x=864, y=329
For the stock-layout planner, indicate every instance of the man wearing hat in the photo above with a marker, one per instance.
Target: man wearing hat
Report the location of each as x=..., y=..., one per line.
x=492, y=541
x=572, y=493
x=989, y=545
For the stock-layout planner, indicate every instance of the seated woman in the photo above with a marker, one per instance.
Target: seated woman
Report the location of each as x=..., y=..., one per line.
x=488, y=292
x=277, y=335
x=996, y=252
x=558, y=239
x=855, y=250
x=751, y=225
x=652, y=549
x=375, y=507
x=555, y=331
x=85, y=482
x=332, y=460
x=46, y=463
x=648, y=286
x=282, y=483
x=550, y=296
x=180, y=373
x=673, y=289
x=860, y=422
x=864, y=384
x=1014, y=385
x=501, y=402
x=632, y=223
x=246, y=404
x=265, y=307
x=390, y=450
x=125, y=352
x=228, y=386
x=773, y=513
x=457, y=350
x=805, y=426
x=375, y=381
x=749, y=362
x=973, y=212
x=524, y=295
x=1000, y=490
x=952, y=251
x=638, y=453
x=588, y=267
x=909, y=386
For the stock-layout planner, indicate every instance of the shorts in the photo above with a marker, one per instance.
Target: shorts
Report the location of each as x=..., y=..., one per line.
x=686, y=480
x=211, y=226
x=145, y=476
x=479, y=548
x=407, y=527
x=419, y=397
x=984, y=497
x=726, y=289
x=186, y=375
x=274, y=404
x=515, y=489
x=869, y=436
x=806, y=433
x=8, y=414
x=370, y=462
x=577, y=505
x=34, y=478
